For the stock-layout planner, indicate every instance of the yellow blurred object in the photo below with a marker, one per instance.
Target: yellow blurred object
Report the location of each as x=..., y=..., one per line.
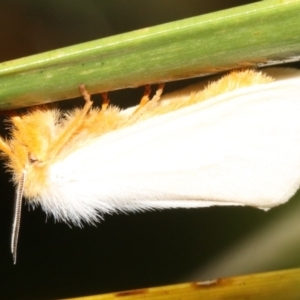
x=272, y=285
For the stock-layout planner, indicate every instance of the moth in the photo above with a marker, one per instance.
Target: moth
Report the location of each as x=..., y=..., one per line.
x=235, y=141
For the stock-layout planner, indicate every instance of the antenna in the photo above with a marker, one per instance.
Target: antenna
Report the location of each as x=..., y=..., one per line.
x=17, y=216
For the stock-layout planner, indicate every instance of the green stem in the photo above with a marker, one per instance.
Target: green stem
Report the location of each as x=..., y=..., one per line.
x=250, y=35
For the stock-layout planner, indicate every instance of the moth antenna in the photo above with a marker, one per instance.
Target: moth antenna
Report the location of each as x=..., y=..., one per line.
x=105, y=101
x=74, y=125
x=17, y=217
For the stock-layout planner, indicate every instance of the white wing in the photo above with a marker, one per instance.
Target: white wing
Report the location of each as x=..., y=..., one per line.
x=239, y=148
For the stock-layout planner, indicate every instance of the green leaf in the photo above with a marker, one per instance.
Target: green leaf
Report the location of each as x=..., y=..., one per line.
x=250, y=35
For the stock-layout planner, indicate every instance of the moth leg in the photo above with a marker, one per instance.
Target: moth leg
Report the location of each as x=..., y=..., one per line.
x=105, y=101
x=158, y=93
x=145, y=99
x=85, y=94
x=87, y=97
x=73, y=125
x=4, y=147
x=155, y=98
x=146, y=103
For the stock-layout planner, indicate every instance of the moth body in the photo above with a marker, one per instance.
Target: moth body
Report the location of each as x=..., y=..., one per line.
x=235, y=142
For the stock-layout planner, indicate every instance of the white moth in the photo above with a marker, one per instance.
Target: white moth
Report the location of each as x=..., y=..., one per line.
x=241, y=146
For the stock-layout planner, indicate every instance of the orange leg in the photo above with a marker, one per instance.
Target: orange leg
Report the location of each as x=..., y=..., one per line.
x=105, y=101
x=146, y=103
x=145, y=99
x=72, y=126
x=158, y=93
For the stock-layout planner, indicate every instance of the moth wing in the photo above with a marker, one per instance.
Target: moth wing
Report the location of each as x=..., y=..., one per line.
x=239, y=148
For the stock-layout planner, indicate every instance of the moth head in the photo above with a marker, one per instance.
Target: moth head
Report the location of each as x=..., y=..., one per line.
x=25, y=154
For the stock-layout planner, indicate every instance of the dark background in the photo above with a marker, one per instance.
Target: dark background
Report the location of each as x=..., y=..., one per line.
x=135, y=250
